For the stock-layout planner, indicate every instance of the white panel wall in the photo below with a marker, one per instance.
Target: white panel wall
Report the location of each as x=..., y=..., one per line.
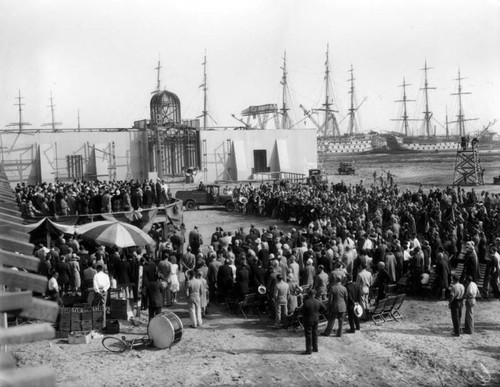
x=47, y=162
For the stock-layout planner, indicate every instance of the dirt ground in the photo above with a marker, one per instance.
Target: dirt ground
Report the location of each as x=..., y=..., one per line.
x=229, y=350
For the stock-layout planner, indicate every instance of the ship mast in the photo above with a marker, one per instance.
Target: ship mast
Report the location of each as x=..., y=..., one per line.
x=352, y=128
x=204, y=87
x=285, y=119
x=404, y=117
x=51, y=106
x=427, y=113
x=460, y=116
x=326, y=130
x=447, y=126
x=20, y=123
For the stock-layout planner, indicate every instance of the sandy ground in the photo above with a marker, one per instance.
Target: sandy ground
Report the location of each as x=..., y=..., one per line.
x=229, y=350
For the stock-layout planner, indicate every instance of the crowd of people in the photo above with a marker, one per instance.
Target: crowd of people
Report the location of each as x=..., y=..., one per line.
x=89, y=197
x=350, y=243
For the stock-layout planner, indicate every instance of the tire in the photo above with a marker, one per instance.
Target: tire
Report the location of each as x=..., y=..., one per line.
x=229, y=206
x=190, y=205
x=114, y=344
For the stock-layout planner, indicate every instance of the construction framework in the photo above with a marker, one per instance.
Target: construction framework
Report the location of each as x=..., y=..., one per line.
x=468, y=170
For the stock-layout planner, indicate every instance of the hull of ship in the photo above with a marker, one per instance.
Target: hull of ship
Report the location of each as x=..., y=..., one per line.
x=350, y=145
x=450, y=145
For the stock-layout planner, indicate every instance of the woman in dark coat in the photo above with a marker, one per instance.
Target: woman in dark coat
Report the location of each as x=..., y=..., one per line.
x=122, y=271
x=443, y=275
x=242, y=280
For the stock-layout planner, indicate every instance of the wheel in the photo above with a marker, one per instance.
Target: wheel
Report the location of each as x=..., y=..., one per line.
x=229, y=206
x=190, y=205
x=114, y=344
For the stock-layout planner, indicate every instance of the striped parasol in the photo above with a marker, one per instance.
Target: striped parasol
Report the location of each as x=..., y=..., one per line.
x=114, y=233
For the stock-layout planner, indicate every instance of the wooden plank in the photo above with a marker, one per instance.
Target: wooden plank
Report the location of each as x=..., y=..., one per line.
x=19, y=260
x=10, y=206
x=41, y=310
x=30, y=376
x=10, y=218
x=15, y=301
x=23, y=280
x=6, y=361
x=7, y=226
x=27, y=333
x=11, y=210
x=11, y=244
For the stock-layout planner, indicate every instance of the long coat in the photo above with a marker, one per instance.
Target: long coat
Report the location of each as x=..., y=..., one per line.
x=337, y=299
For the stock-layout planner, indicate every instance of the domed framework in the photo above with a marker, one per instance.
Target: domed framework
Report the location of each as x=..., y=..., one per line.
x=175, y=146
x=165, y=109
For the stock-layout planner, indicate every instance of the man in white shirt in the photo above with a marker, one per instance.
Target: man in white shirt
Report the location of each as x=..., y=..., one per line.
x=101, y=287
x=471, y=293
x=53, y=288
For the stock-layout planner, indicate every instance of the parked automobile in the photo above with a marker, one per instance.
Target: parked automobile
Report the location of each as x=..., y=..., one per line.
x=316, y=176
x=209, y=194
x=346, y=168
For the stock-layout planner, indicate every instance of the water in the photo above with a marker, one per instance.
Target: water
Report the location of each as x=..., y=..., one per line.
x=409, y=169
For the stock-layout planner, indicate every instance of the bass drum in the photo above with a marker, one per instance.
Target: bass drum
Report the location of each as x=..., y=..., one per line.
x=165, y=330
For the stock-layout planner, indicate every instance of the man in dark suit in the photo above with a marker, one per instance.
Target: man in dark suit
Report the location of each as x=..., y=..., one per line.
x=155, y=296
x=195, y=240
x=337, y=306
x=310, y=318
x=354, y=296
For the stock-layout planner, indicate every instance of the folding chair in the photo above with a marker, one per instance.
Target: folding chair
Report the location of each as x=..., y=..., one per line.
x=377, y=312
x=323, y=317
x=294, y=321
x=386, y=312
x=397, y=305
x=372, y=296
x=430, y=286
x=249, y=302
x=402, y=284
x=391, y=289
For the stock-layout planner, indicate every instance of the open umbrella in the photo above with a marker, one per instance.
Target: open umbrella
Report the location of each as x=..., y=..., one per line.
x=114, y=233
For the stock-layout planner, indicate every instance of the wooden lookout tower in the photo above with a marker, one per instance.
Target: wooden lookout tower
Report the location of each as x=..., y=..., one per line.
x=468, y=170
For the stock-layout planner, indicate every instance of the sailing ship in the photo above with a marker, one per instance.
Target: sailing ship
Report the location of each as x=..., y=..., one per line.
x=330, y=140
x=430, y=141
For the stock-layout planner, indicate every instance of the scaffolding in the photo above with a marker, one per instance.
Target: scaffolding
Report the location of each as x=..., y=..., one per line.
x=468, y=170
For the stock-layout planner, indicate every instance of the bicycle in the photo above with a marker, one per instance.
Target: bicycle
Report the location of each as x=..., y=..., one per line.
x=118, y=345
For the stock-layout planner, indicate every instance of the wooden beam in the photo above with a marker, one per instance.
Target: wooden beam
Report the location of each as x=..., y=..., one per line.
x=29, y=376
x=19, y=260
x=27, y=333
x=23, y=280
x=7, y=226
x=11, y=244
x=41, y=310
x=14, y=219
x=10, y=206
x=10, y=210
x=15, y=301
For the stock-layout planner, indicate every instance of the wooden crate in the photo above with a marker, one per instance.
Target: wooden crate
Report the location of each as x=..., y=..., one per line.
x=79, y=338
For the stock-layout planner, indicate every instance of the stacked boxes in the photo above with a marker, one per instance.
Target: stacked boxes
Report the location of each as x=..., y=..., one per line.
x=86, y=319
x=97, y=317
x=80, y=319
x=64, y=322
x=76, y=316
x=119, y=309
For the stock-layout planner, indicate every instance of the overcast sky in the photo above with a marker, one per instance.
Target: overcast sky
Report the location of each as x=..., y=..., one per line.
x=99, y=57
